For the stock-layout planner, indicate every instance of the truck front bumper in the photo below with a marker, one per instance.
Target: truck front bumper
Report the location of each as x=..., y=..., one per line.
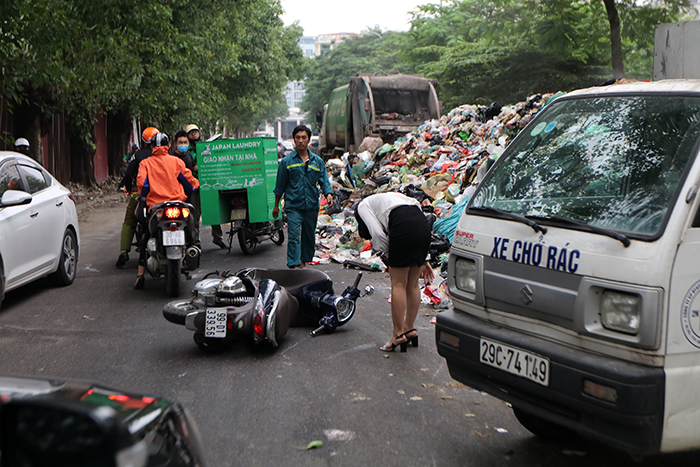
x=633, y=422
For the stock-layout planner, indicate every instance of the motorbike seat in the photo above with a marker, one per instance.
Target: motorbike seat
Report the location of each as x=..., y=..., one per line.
x=291, y=280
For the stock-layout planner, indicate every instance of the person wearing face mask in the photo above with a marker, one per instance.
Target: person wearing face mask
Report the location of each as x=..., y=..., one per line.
x=181, y=149
x=194, y=135
x=22, y=146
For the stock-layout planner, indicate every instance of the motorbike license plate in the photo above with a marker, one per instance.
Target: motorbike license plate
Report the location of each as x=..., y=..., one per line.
x=238, y=214
x=515, y=361
x=215, y=323
x=173, y=237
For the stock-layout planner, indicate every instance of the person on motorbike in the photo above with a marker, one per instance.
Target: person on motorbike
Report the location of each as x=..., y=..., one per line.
x=160, y=178
x=129, y=184
x=194, y=135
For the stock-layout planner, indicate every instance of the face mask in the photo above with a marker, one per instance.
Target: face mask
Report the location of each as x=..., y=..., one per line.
x=182, y=148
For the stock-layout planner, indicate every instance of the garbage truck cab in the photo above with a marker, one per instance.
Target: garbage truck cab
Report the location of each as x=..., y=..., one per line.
x=575, y=271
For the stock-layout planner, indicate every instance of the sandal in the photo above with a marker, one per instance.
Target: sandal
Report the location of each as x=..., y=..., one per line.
x=412, y=340
x=393, y=343
x=140, y=281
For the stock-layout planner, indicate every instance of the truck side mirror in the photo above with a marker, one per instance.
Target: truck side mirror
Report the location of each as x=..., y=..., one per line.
x=36, y=432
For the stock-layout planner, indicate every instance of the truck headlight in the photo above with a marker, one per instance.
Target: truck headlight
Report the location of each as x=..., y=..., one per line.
x=620, y=311
x=465, y=275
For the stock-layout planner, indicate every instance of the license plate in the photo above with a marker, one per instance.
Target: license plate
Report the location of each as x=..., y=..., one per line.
x=238, y=214
x=173, y=237
x=514, y=360
x=215, y=323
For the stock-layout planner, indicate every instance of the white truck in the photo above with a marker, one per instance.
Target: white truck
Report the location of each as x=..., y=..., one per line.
x=575, y=271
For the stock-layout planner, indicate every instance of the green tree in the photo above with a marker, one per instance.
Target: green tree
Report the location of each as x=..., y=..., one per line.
x=165, y=62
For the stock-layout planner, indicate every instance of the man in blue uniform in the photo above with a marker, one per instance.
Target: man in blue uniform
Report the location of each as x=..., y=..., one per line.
x=299, y=176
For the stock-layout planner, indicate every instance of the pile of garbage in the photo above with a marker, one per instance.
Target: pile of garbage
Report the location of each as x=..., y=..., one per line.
x=440, y=165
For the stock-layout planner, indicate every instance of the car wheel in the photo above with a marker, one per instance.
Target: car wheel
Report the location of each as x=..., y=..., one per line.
x=277, y=237
x=543, y=428
x=68, y=261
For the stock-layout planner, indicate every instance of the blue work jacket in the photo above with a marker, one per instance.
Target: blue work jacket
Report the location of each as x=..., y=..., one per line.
x=298, y=182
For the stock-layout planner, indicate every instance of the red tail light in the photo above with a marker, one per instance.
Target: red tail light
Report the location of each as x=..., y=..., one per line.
x=71, y=197
x=172, y=213
x=259, y=323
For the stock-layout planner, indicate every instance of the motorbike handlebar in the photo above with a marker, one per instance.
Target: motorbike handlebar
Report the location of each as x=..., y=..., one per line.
x=357, y=279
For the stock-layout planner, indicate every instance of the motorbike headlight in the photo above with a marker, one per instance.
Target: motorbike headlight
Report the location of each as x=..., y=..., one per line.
x=465, y=275
x=620, y=311
x=345, y=308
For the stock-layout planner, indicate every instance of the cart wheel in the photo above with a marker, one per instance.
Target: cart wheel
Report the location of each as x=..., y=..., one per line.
x=277, y=237
x=247, y=241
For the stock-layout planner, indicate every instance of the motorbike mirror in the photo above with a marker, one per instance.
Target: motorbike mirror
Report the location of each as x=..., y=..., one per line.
x=52, y=432
x=369, y=290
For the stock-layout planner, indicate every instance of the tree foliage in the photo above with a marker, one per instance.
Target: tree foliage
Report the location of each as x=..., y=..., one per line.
x=486, y=50
x=167, y=62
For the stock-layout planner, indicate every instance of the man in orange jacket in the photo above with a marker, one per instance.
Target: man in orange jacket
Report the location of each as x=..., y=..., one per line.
x=162, y=177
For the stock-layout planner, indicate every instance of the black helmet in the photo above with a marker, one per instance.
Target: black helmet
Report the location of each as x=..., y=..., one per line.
x=160, y=139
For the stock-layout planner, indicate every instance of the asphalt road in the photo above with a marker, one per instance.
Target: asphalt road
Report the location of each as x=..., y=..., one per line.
x=256, y=406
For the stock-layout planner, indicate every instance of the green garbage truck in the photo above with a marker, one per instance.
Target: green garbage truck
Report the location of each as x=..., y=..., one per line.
x=376, y=105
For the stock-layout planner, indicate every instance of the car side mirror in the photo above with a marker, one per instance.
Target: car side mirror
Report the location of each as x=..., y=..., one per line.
x=15, y=198
x=38, y=431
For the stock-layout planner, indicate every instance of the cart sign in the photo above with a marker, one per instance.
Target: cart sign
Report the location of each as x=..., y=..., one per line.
x=229, y=166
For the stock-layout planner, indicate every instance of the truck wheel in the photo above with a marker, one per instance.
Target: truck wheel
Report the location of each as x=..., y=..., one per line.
x=177, y=311
x=172, y=278
x=543, y=428
x=247, y=241
x=277, y=237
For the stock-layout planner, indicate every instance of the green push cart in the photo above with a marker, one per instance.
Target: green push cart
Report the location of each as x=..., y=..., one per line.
x=236, y=181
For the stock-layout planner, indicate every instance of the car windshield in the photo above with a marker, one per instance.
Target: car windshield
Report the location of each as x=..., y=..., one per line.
x=610, y=162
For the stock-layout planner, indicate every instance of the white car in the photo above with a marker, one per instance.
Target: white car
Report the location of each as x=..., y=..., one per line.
x=39, y=232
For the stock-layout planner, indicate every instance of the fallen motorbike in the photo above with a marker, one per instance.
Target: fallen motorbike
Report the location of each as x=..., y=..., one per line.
x=171, y=249
x=259, y=305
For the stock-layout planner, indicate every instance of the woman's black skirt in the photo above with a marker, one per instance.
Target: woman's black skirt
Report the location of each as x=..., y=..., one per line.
x=409, y=237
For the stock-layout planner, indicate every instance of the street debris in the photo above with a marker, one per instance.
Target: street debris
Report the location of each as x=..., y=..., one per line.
x=339, y=435
x=312, y=445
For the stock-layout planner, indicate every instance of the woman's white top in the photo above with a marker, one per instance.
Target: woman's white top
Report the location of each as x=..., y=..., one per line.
x=374, y=211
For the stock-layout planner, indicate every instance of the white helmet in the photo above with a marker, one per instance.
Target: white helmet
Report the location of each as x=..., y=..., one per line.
x=21, y=142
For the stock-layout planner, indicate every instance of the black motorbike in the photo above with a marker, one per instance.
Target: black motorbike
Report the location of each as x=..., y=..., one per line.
x=259, y=305
x=171, y=249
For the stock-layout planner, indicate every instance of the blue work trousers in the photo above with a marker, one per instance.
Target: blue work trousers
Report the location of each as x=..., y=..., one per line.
x=301, y=230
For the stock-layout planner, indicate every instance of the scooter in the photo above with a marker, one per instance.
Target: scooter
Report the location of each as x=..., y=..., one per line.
x=259, y=305
x=171, y=249
x=251, y=233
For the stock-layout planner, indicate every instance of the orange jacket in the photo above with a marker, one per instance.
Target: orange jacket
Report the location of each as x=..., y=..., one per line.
x=163, y=177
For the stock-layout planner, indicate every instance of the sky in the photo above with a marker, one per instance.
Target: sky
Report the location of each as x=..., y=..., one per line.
x=333, y=16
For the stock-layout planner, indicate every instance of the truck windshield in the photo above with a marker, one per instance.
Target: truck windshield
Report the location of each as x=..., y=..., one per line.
x=611, y=162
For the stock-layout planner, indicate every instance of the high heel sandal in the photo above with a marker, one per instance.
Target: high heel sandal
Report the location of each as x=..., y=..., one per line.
x=413, y=341
x=140, y=281
x=393, y=343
